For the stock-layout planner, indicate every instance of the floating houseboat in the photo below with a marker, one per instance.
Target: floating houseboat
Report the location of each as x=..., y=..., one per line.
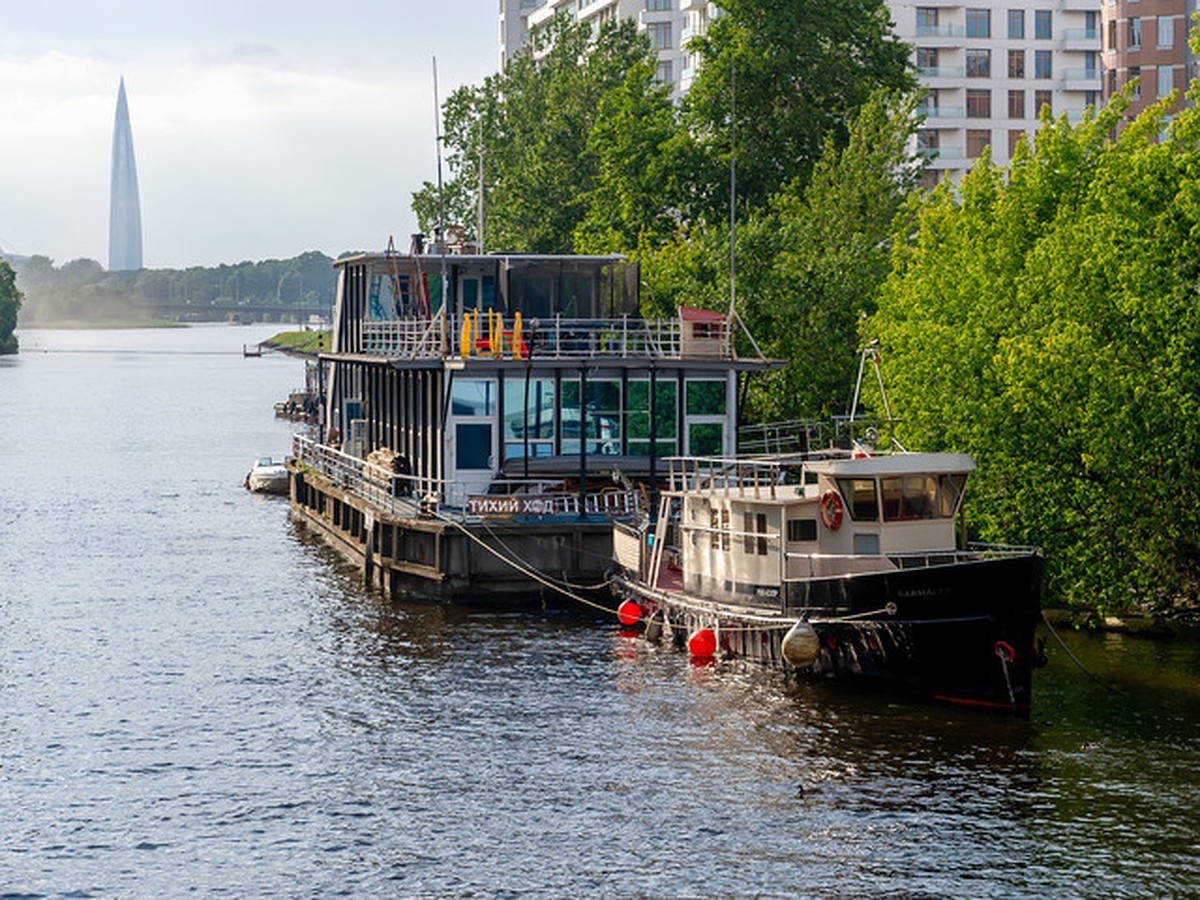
x=488, y=416
x=841, y=562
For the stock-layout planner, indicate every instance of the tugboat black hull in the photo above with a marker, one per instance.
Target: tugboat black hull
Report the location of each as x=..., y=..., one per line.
x=962, y=632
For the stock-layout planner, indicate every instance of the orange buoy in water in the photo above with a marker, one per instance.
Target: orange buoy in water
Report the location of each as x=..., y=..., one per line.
x=702, y=644
x=629, y=613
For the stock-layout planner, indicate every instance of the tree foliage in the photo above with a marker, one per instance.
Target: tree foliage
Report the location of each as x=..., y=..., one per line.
x=791, y=77
x=1049, y=323
x=531, y=129
x=82, y=290
x=10, y=305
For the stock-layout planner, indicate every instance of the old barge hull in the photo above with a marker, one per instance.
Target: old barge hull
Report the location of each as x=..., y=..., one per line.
x=441, y=557
x=962, y=633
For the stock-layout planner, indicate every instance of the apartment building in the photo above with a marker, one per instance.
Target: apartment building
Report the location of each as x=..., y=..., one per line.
x=669, y=23
x=1146, y=41
x=990, y=67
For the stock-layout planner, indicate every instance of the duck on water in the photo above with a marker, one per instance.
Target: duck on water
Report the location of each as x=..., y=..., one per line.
x=841, y=561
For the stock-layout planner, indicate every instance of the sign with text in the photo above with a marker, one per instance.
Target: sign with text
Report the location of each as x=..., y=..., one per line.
x=487, y=505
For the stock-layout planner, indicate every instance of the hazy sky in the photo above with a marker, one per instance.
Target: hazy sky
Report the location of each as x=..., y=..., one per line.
x=262, y=128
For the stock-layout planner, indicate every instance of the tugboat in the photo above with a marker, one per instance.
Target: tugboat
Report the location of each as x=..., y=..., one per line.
x=487, y=417
x=841, y=561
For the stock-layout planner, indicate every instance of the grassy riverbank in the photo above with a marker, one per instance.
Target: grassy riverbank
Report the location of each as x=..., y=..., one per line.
x=299, y=341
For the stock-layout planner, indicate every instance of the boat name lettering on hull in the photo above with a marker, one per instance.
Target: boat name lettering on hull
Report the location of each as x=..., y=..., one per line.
x=509, y=506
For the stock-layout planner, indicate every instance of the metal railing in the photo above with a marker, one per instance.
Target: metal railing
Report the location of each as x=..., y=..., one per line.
x=415, y=495
x=549, y=338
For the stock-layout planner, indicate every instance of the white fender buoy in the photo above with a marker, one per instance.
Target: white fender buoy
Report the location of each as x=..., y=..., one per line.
x=801, y=646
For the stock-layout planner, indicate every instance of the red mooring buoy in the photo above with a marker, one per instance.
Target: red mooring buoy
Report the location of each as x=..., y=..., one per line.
x=629, y=613
x=702, y=644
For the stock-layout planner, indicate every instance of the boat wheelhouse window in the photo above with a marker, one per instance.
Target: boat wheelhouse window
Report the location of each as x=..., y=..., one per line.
x=921, y=496
x=859, y=494
x=801, y=530
x=950, y=493
x=528, y=417
x=473, y=397
x=637, y=417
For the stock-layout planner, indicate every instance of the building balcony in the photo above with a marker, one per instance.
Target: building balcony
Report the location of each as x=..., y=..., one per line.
x=935, y=153
x=1080, y=80
x=939, y=31
x=942, y=112
x=941, y=72
x=1080, y=39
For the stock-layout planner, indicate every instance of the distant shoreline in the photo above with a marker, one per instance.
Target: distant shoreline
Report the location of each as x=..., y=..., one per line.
x=106, y=324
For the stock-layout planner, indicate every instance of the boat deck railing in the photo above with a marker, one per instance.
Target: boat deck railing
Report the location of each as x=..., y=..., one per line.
x=804, y=566
x=414, y=495
x=497, y=337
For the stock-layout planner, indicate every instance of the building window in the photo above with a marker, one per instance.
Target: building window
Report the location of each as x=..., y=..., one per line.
x=1015, y=136
x=977, y=141
x=1166, y=80
x=1135, y=33
x=1112, y=34
x=1041, y=99
x=663, y=73
x=1016, y=104
x=1016, y=24
x=927, y=60
x=1166, y=32
x=1042, y=24
x=1042, y=63
x=927, y=142
x=929, y=103
x=1112, y=82
x=979, y=104
x=801, y=530
x=1089, y=98
x=1016, y=63
x=979, y=23
x=1135, y=76
x=660, y=35
x=979, y=63
x=927, y=21
x=658, y=5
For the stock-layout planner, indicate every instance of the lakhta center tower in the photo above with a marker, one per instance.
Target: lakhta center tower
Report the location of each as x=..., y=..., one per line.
x=125, y=217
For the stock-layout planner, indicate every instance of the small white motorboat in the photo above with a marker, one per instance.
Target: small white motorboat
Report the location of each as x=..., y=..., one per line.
x=267, y=476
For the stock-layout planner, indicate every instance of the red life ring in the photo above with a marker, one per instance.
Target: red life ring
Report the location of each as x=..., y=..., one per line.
x=831, y=510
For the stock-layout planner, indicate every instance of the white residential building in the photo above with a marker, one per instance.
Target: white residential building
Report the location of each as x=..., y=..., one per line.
x=669, y=23
x=990, y=67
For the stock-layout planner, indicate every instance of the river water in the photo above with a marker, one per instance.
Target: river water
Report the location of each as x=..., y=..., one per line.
x=196, y=697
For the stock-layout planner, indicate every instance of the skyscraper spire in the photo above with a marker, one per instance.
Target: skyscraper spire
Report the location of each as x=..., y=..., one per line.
x=125, y=217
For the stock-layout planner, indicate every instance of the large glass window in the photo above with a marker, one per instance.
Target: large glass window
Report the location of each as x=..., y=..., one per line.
x=706, y=438
x=859, y=494
x=1042, y=24
x=705, y=398
x=603, y=407
x=1016, y=23
x=979, y=63
x=927, y=20
x=1016, y=63
x=1016, y=104
x=637, y=417
x=660, y=35
x=1166, y=32
x=473, y=397
x=1166, y=80
x=979, y=23
x=528, y=417
x=1042, y=99
x=927, y=60
x=979, y=104
x=1042, y=63
x=1135, y=33
x=978, y=140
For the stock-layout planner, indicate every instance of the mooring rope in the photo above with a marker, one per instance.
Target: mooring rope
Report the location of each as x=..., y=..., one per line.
x=1074, y=659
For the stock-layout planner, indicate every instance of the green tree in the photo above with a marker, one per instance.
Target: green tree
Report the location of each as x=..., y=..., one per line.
x=1049, y=323
x=529, y=127
x=790, y=76
x=10, y=305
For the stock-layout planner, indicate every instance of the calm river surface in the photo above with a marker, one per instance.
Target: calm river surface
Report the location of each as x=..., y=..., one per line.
x=197, y=698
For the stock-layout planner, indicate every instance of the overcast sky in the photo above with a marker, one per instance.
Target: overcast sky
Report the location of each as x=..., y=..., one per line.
x=262, y=128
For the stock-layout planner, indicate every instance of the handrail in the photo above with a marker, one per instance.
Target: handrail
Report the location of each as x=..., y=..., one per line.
x=416, y=495
x=551, y=338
